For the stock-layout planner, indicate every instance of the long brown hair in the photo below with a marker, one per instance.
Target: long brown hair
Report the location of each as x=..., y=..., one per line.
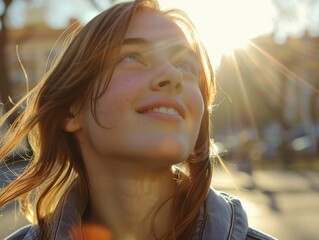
x=88, y=61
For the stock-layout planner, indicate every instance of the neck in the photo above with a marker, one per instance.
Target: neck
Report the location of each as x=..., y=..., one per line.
x=126, y=199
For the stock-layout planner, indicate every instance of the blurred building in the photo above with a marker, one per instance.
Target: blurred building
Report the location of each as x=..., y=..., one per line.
x=36, y=46
x=273, y=91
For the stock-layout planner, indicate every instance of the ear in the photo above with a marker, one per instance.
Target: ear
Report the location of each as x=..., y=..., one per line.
x=72, y=123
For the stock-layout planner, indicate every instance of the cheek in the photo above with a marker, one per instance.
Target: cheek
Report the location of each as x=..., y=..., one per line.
x=110, y=110
x=196, y=106
x=113, y=105
x=196, y=103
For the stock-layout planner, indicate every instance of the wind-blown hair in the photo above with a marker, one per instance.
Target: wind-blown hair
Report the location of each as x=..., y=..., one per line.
x=89, y=61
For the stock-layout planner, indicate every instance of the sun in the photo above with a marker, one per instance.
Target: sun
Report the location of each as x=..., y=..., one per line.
x=225, y=25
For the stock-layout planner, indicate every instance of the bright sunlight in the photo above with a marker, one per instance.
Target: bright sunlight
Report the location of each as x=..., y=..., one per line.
x=225, y=25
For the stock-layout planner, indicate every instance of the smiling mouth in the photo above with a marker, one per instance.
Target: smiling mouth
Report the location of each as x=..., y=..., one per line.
x=165, y=110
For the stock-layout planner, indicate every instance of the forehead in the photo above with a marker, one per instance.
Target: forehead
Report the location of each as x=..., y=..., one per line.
x=156, y=28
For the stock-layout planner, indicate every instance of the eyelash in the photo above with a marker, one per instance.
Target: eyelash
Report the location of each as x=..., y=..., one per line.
x=184, y=65
x=187, y=66
x=137, y=57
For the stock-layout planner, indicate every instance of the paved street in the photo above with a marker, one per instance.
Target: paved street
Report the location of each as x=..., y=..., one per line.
x=282, y=203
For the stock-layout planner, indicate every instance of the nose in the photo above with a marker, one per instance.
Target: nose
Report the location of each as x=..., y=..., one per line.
x=168, y=78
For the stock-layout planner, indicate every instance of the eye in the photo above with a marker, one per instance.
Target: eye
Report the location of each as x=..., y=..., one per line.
x=132, y=58
x=184, y=66
x=188, y=68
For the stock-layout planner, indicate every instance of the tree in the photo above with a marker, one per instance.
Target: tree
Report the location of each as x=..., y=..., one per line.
x=295, y=18
x=4, y=81
x=96, y=5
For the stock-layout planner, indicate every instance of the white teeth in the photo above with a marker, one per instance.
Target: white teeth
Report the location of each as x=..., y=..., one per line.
x=166, y=110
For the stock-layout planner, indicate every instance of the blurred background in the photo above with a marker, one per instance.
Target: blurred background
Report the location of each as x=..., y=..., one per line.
x=266, y=114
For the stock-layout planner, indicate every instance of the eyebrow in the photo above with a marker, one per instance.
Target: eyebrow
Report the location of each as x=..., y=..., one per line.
x=175, y=49
x=136, y=41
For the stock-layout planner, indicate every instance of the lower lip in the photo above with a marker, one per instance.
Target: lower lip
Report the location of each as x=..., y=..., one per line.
x=164, y=116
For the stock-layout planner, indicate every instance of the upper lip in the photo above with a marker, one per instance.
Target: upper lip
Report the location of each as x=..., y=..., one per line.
x=163, y=103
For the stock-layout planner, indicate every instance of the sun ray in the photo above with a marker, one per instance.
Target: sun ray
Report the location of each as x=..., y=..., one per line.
x=284, y=69
x=247, y=104
x=271, y=70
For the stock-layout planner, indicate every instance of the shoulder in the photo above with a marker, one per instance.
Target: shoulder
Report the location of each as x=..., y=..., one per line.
x=26, y=233
x=254, y=234
x=227, y=219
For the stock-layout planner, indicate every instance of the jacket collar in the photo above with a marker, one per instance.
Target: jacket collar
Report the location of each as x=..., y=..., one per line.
x=68, y=214
x=225, y=219
x=225, y=216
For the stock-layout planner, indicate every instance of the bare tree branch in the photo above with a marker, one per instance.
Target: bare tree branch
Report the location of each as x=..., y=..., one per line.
x=97, y=6
x=4, y=82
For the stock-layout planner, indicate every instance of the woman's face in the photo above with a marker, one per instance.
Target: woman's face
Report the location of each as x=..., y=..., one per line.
x=151, y=112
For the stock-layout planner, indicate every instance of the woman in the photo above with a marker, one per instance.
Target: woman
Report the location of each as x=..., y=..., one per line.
x=119, y=130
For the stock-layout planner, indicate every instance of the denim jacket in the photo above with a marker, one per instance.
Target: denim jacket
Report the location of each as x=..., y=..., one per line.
x=225, y=219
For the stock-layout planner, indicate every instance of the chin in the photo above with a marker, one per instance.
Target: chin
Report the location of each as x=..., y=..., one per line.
x=172, y=152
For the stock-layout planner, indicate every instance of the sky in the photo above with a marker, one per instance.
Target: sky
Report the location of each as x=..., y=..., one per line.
x=228, y=24
x=222, y=24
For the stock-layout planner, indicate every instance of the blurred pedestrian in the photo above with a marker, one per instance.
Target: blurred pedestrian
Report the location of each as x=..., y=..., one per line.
x=119, y=129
